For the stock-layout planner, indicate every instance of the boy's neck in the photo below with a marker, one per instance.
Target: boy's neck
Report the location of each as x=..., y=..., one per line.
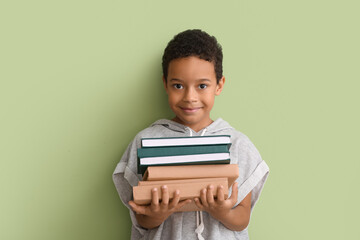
x=195, y=127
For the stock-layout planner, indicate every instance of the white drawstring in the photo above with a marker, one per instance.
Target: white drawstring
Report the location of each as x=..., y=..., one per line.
x=190, y=131
x=203, y=132
x=200, y=227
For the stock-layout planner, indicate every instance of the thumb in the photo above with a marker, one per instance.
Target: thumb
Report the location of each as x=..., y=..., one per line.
x=137, y=208
x=183, y=203
x=234, y=193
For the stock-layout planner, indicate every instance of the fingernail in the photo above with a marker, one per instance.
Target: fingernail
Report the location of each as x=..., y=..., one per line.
x=164, y=187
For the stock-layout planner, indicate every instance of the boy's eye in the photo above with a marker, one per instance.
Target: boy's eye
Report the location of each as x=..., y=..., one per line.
x=202, y=86
x=178, y=86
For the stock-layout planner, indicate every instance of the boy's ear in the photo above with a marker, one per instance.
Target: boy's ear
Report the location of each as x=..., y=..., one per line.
x=220, y=86
x=165, y=84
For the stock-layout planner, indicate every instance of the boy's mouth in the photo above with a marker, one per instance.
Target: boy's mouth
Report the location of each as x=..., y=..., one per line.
x=190, y=110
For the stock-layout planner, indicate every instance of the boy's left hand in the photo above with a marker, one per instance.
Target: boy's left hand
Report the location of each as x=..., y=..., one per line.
x=220, y=207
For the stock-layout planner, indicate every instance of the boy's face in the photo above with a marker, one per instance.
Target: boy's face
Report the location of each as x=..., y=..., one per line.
x=191, y=87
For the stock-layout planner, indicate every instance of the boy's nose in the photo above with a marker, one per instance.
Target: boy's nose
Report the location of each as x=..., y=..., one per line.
x=190, y=95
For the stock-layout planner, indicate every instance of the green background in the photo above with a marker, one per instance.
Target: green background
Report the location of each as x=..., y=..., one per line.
x=80, y=78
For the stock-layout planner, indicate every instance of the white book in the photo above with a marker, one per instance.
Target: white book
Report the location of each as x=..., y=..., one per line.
x=196, y=158
x=185, y=141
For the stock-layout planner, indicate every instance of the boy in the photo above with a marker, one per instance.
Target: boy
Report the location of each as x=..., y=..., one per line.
x=192, y=77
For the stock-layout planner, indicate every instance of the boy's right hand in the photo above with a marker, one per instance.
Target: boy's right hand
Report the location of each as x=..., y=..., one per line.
x=157, y=212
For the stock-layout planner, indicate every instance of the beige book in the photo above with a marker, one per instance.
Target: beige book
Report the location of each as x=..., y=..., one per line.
x=156, y=173
x=188, y=190
x=177, y=181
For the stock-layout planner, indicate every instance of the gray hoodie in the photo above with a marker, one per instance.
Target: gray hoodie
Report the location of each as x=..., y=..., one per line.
x=253, y=173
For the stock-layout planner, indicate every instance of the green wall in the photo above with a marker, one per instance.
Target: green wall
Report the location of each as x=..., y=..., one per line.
x=80, y=78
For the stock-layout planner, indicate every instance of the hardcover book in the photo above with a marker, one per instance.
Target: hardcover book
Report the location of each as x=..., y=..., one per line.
x=188, y=189
x=182, y=150
x=161, y=173
x=185, y=141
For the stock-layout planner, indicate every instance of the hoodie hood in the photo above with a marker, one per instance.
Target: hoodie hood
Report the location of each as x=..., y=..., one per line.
x=217, y=126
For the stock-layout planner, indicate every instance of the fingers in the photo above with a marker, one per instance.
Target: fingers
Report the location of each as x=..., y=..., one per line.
x=207, y=199
x=175, y=200
x=164, y=208
x=210, y=195
x=164, y=196
x=203, y=198
x=220, y=194
x=198, y=203
x=154, y=197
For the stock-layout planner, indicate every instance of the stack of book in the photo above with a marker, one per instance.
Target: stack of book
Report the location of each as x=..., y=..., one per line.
x=188, y=164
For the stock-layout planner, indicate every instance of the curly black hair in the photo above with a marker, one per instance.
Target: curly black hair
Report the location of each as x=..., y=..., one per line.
x=194, y=42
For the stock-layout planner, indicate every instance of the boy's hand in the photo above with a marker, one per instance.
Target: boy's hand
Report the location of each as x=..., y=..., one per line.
x=219, y=208
x=153, y=215
x=237, y=218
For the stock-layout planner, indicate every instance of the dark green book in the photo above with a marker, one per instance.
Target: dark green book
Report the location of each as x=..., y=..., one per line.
x=181, y=150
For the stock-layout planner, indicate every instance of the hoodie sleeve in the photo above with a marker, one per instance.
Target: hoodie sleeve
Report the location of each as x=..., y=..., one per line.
x=253, y=171
x=125, y=178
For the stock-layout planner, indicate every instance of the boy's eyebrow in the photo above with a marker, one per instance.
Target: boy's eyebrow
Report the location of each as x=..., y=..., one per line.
x=176, y=79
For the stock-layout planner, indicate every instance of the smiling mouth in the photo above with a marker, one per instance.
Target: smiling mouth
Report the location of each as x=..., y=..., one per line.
x=190, y=110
